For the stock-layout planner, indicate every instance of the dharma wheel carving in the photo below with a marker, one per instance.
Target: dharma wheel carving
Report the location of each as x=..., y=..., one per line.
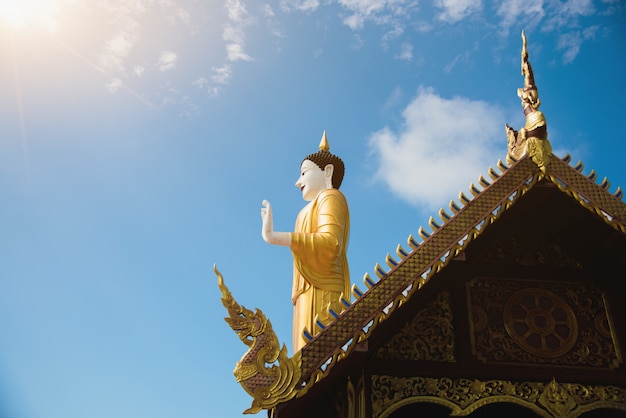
x=540, y=322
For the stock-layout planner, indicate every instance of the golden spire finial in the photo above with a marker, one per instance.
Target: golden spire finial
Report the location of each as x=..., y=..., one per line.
x=324, y=143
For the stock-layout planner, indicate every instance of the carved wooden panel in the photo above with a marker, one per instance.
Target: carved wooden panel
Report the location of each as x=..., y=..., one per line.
x=555, y=323
x=429, y=336
x=464, y=396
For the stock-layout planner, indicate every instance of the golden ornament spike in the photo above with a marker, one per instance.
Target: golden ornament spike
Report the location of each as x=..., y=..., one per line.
x=474, y=190
x=356, y=291
x=307, y=334
x=390, y=261
x=493, y=174
x=367, y=280
x=319, y=322
x=510, y=160
x=412, y=242
x=605, y=184
x=444, y=215
x=592, y=176
x=330, y=310
x=324, y=143
x=401, y=252
x=567, y=158
x=380, y=272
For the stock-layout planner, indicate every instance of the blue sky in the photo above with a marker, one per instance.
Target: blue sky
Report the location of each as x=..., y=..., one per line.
x=138, y=139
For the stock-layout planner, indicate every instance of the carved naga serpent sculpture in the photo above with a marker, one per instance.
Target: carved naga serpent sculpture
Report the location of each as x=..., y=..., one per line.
x=264, y=371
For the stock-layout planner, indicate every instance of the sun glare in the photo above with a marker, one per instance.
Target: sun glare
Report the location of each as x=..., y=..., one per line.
x=21, y=14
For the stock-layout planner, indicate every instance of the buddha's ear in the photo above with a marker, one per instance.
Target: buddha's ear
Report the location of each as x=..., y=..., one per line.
x=328, y=174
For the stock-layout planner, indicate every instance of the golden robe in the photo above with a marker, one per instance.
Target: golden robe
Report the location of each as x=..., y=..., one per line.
x=320, y=274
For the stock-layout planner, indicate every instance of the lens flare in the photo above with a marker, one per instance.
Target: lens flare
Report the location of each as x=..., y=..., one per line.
x=21, y=14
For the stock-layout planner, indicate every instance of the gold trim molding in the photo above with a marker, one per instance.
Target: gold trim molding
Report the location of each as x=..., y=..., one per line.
x=464, y=396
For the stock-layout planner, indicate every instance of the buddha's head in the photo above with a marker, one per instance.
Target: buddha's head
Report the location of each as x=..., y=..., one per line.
x=319, y=171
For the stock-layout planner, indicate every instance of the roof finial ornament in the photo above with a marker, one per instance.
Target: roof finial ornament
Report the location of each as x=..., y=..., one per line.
x=532, y=139
x=324, y=143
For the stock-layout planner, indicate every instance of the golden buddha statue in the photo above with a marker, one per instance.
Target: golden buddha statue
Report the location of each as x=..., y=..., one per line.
x=318, y=244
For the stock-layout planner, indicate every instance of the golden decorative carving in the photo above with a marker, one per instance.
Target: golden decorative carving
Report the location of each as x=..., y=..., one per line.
x=264, y=371
x=556, y=400
x=528, y=249
x=427, y=337
x=532, y=139
x=464, y=396
x=540, y=322
x=517, y=321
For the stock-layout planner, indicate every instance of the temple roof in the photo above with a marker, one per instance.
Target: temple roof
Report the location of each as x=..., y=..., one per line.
x=584, y=221
x=447, y=238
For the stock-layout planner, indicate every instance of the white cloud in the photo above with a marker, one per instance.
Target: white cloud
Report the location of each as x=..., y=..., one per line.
x=237, y=12
x=235, y=38
x=235, y=52
x=354, y=21
x=139, y=70
x=120, y=45
x=571, y=42
x=271, y=22
x=125, y=18
x=114, y=85
x=524, y=13
x=221, y=75
x=167, y=60
x=442, y=143
x=183, y=15
x=406, y=52
x=116, y=50
x=213, y=91
x=302, y=5
x=234, y=32
x=464, y=58
x=268, y=11
x=566, y=14
x=454, y=10
x=392, y=34
x=377, y=11
x=201, y=82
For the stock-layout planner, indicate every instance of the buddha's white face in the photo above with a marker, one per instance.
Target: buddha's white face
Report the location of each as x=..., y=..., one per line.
x=313, y=179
